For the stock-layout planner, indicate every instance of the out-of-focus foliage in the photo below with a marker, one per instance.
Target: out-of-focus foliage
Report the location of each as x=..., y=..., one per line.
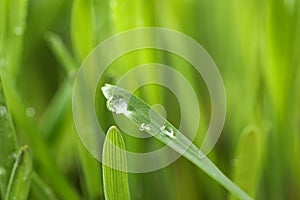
x=254, y=43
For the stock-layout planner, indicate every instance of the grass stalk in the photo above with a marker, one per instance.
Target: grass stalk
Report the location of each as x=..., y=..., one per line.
x=138, y=112
x=8, y=143
x=20, y=178
x=40, y=189
x=114, y=166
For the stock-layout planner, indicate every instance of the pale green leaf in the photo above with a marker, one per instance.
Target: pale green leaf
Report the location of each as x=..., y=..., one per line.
x=138, y=111
x=114, y=167
x=8, y=143
x=247, y=163
x=20, y=179
x=82, y=27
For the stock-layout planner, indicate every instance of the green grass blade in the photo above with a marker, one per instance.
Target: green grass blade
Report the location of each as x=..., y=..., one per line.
x=56, y=110
x=16, y=28
x=40, y=189
x=247, y=166
x=91, y=170
x=138, y=111
x=8, y=143
x=58, y=182
x=115, y=181
x=82, y=30
x=3, y=31
x=20, y=179
x=61, y=52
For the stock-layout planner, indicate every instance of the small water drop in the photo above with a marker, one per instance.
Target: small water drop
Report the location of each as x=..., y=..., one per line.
x=2, y=62
x=2, y=171
x=30, y=112
x=167, y=131
x=117, y=104
x=14, y=156
x=18, y=30
x=3, y=111
x=144, y=127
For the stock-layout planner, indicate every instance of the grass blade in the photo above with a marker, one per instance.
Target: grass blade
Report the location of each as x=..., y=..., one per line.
x=137, y=111
x=58, y=182
x=61, y=52
x=91, y=172
x=115, y=181
x=8, y=143
x=20, y=179
x=40, y=189
x=82, y=27
x=57, y=111
x=248, y=160
x=3, y=31
x=16, y=28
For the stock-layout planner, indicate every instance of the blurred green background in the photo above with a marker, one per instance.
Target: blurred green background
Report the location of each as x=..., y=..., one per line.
x=255, y=44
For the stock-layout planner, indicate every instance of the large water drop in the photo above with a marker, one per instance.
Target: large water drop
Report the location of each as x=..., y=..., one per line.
x=117, y=104
x=167, y=131
x=144, y=127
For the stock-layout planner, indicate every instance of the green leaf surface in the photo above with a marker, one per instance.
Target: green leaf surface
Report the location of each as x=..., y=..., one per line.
x=40, y=189
x=114, y=167
x=20, y=179
x=3, y=30
x=58, y=182
x=91, y=172
x=8, y=143
x=247, y=166
x=16, y=27
x=82, y=27
x=61, y=52
x=138, y=111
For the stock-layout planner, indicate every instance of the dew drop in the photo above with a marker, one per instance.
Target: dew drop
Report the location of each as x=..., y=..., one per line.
x=18, y=30
x=117, y=105
x=14, y=156
x=2, y=171
x=2, y=62
x=30, y=112
x=3, y=111
x=167, y=131
x=144, y=127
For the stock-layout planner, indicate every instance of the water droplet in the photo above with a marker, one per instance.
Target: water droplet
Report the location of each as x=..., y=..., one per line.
x=167, y=131
x=3, y=111
x=14, y=156
x=2, y=171
x=30, y=112
x=18, y=30
x=2, y=62
x=144, y=127
x=117, y=104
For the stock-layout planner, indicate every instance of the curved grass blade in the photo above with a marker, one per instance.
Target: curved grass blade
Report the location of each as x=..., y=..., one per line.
x=91, y=173
x=247, y=168
x=58, y=182
x=3, y=31
x=115, y=181
x=82, y=27
x=61, y=52
x=121, y=101
x=8, y=143
x=40, y=189
x=16, y=27
x=56, y=112
x=20, y=179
